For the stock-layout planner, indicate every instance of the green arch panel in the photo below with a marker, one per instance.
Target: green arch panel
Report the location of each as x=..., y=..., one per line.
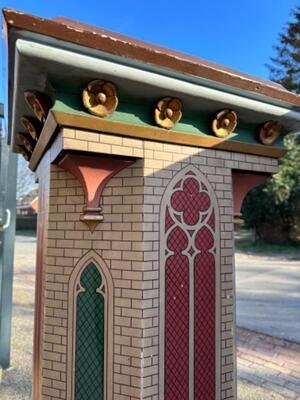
x=90, y=327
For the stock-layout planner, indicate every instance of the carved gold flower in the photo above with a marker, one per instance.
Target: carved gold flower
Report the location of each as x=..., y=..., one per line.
x=100, y=98
x=27, y=141
x=268, y=132
x=39, y=103
x=32, y=125
x=168, y=112
x=224, y=123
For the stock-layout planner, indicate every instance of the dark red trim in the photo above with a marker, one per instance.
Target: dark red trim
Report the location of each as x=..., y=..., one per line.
x=39, y=283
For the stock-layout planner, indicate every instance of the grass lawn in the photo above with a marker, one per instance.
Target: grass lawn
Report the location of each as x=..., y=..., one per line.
x=246, y=243
x=17, y=380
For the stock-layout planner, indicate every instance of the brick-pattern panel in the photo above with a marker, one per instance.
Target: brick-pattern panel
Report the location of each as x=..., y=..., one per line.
x=128, y=241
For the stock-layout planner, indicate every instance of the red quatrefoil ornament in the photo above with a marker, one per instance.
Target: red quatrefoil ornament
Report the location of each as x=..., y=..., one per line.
x=185, y=200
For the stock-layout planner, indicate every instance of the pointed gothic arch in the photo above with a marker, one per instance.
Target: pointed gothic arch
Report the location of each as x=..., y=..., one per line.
x=90, y=270
x=189, y=288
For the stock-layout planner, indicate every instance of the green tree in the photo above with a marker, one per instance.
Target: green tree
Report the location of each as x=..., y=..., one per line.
x=273, y=208
x=285, y=66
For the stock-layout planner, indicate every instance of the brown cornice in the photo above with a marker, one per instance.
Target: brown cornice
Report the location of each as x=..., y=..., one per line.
x=121, y=45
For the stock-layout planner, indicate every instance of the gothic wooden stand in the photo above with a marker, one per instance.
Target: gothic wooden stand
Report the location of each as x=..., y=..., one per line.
x=143, y=158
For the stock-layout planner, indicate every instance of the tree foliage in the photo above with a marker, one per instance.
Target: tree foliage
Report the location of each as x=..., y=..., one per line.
x=285, y=67
x=273, y=209
x=26, y=186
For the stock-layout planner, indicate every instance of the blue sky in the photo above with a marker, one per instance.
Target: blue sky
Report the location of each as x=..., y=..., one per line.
x=236, y=33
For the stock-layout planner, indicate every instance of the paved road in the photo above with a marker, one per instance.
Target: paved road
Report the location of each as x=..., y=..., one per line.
x=269, y=364
x=268, y=295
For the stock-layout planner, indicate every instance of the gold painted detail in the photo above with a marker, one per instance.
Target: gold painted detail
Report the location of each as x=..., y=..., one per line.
x=39, y=103
x=100, y=98
x=27, y=141
x=168, y=112
x=33, y=126
x=58, y=119
x=268, y=132
x=224, y=123
x=27, y=145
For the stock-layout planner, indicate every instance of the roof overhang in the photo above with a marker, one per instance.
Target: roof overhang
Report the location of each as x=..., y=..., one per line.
x=44, y=55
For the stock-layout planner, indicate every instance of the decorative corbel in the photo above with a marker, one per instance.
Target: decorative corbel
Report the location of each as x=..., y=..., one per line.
x=25, y=153
x=268, y=132
x=39, y=103
x=168, y=112
x=100, y=98
x=93, y=173
x=224, y=123
x=32, y=125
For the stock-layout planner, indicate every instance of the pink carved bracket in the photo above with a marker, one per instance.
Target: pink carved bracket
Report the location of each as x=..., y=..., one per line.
x=93, y=172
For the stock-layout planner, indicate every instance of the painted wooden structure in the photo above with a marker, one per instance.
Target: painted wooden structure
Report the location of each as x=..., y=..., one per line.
x=143, y=156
